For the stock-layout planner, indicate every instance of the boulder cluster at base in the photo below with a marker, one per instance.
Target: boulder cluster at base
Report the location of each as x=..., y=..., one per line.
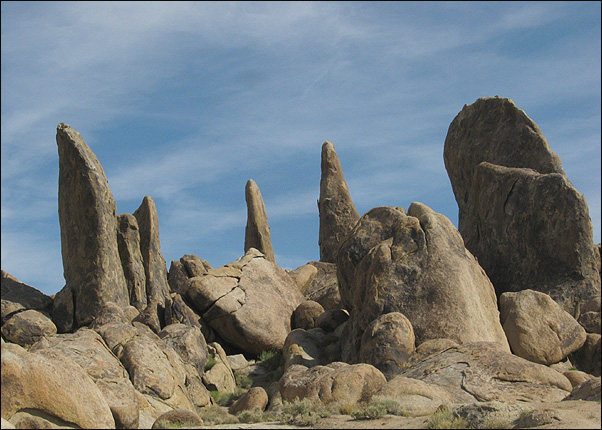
x=501, y=312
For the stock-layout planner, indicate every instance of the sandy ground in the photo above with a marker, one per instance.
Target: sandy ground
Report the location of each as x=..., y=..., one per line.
x=575, y=414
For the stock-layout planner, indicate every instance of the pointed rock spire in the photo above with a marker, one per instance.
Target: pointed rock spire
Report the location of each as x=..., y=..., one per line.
x=155, y=267
x=87, y=216
x=257, y=233
x=128, y=241
x=337, y=211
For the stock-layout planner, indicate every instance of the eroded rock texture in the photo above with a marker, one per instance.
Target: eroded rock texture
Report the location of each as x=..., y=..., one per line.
x=518, y=213
x=88, y=219
x=415, y=264
x=257, y=232
x=337, y=211
x=128, y=241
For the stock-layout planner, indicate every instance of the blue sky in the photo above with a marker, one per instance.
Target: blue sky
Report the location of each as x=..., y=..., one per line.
x=186, y=101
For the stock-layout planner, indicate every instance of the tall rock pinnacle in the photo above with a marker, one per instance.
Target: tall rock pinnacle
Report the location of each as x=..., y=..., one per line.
x=337, y=211
x=257, y=233
x=155, y=268
x=87, y=216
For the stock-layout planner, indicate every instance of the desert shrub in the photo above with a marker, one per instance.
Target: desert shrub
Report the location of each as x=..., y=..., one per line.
x=343, y=408
x=369, y=412
x=213, y=415
x=211, y=361
x=443, y=418
x=391, y=406
x=303, y=412
x=223, y=398
x=271, y=358
x=251, y=416
x=243, y=381
x=497, y=424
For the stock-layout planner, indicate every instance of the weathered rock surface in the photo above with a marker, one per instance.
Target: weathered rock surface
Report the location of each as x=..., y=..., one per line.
x=63, y=314
x=493, y=414
x=128, y=242
x=514, y=202
x=588, y=357
x=433, y=346
x=33, y=382
x=86, y=348
x=547, y=339
x=155, y=268
x=27, y=327
x=588, y=390
x=254, y=398
x=257, y=232
x=153, y=315
x=577, y=377
x=484, y=371
x=304, y=276
x=336, y=382
x=415, y=264
x=330, y=320
x=310, y=348
x=188, y=342
x=194, y=265
x=9, y=309
x=417, y=398
x=178, y=418
x=15, y=291
x=324, y=288
x=388, y=343
x=88, y=220
x=306, y=314
x=177, y=278
x=590, y=321
x=337, y=211
x=220, y=377
x=249, y=302
x=180, y=312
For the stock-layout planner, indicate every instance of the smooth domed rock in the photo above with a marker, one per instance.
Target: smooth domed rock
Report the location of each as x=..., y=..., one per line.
x=576, y=377
x=155, y=268
x=31, y=381
x=388, y=343
x=178, y=418
x=337, y=211
x=336, y=382
x=306, y=314
x=485, y=371
x=88, y=220
x=128, y=241
x=15, y=291
x=9, y=309
x=219, y=377
x=415, y=264
x=86, y=348
x=331, y=319
x=254, y=398
x=324, y=288
x=515, y=204
x=416, y=397
x=27, y=327
x=257, y=232
x=304, y=276
x=250, y=305
x=547, y=339
x=194, y=265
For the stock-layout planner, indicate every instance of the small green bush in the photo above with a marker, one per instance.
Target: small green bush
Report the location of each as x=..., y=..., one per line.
x=252, y=416
x=224, y=399
x=211, y=361
x=443, y=418
x=243, y=381
x=271, y=359
x=369, y=412
x=391, y=406
x=303, y=412
x=213, y=415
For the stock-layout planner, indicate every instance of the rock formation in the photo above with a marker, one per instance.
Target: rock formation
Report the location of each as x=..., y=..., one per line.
x=155, y=268
x=515, y=204
x=415, y=264
x=128, y=241
x=337, y=211
x=547, y=339
x=257, y=232
x=249, y=302
x=87, y=215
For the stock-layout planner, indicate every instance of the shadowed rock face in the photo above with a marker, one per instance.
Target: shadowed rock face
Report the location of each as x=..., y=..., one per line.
x=337, y=211
x=87, y=215
x=518, y=214
x=415, y=264
x=128, y=241
x=155, y=269
x=257, y=233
